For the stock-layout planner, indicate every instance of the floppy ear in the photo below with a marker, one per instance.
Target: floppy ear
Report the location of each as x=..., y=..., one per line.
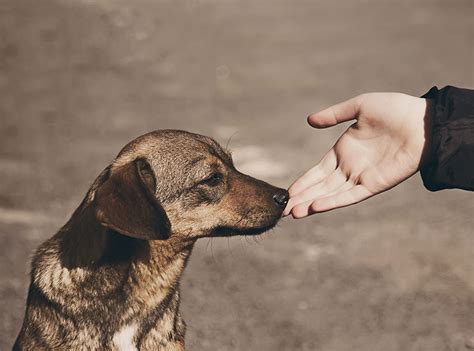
x=125, y=202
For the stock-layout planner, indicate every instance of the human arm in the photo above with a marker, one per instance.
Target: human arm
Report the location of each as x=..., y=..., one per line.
x=393, y=137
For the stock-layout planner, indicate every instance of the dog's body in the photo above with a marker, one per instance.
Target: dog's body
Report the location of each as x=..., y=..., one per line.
x=109, y=279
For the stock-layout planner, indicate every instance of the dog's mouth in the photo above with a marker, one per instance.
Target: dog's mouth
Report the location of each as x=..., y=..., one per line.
x=233, y=231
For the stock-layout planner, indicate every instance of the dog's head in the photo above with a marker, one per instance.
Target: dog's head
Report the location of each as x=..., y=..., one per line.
x=174, y=183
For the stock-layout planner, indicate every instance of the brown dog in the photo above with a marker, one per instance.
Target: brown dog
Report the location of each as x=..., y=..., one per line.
x=109, y=279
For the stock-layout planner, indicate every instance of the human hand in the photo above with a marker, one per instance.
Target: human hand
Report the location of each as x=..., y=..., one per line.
x=380, y=150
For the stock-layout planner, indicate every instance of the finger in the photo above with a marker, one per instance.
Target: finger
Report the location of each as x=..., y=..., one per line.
x=342, y=112
x=321, y=189
x=327, y=164
x=327, y=185
x=342, y=199
x=303, y=208
x=344, y=187
x=287, y=210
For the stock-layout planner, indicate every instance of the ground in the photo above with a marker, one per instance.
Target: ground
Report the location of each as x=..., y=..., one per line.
x=79, y=79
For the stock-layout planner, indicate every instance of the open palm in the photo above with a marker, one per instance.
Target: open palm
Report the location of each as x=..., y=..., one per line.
x=381, y=149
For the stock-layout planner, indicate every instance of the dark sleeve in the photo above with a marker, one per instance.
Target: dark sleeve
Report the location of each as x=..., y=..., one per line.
x=450, y=153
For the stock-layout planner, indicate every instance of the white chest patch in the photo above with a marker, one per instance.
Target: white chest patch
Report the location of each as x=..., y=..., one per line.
x=123, y=339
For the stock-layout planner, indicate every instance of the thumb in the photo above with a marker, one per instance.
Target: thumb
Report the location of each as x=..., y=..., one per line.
x=342, y=112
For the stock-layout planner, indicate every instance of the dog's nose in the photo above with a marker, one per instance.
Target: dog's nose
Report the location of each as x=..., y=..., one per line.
x=281, y=198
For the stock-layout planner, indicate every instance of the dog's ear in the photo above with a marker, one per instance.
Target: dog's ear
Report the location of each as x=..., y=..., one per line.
x=125, y=202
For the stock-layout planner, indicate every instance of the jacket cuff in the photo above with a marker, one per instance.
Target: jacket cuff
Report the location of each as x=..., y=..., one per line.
x=447, y=144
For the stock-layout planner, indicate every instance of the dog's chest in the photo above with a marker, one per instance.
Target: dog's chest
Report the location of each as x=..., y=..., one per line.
x=123, y=339
x=137, y=335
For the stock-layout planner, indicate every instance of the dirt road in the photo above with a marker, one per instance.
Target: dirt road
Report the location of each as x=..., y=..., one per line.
x=78, y=79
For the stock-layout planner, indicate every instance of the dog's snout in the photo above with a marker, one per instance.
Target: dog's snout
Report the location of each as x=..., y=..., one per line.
x=281, y=198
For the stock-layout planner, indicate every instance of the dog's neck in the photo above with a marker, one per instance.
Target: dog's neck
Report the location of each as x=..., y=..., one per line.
x=126, y=290
x=104, y=263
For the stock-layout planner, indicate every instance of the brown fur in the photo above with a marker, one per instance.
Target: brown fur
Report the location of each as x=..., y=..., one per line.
x=109, y=279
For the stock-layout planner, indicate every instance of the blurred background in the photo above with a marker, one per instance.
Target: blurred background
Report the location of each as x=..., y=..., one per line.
x=79, y=79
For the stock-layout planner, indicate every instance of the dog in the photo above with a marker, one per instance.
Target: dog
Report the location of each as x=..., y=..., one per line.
x=109, y=279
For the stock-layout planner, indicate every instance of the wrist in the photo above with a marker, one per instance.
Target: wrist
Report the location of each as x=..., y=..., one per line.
x=427, y=113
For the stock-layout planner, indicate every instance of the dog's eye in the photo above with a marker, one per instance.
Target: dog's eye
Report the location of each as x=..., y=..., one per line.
x=213, y=180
